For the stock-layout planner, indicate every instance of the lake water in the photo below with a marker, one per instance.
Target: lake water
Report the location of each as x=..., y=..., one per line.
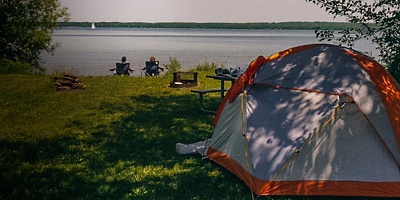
x=87, y=52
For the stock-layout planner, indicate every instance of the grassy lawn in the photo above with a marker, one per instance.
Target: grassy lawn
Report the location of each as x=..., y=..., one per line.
x=114, y=140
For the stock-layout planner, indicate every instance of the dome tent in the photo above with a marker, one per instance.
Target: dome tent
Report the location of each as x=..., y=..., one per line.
x=316, y=119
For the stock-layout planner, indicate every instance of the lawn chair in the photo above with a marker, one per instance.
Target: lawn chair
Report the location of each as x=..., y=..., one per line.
x=152, y=68
x=122, y=69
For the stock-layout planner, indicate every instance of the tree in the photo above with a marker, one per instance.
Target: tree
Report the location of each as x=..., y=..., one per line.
x=378, y=20
x=26, y=28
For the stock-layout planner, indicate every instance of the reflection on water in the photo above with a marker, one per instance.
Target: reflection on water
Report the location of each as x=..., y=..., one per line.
x=93, y=52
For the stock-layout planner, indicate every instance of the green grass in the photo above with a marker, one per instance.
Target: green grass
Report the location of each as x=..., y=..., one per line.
x=114, y=140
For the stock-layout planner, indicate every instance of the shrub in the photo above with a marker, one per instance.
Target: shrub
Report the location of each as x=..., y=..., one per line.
x=8, y=66
x=206, y=67
x=173, y=66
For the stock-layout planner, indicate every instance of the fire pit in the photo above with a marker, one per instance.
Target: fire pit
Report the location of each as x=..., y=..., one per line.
x=184, y=80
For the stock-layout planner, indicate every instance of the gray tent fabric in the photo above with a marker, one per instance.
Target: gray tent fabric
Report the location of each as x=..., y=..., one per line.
x=194, y=148
x=312, y=120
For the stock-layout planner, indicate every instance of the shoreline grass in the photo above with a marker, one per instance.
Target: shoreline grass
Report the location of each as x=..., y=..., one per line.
x=114, y=140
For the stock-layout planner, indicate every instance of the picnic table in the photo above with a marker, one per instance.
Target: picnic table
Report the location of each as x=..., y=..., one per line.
x=221, y=90
x=223, y=78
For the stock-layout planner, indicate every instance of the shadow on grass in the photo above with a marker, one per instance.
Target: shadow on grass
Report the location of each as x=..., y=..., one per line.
x=131, y=158
x=144, y=142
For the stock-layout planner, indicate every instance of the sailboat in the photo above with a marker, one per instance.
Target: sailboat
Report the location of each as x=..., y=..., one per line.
x=93, y=26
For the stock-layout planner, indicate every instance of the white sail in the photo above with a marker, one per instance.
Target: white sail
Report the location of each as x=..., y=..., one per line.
x=93, y=26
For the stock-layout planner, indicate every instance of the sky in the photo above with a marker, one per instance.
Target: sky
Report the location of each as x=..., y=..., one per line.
x=235, y=11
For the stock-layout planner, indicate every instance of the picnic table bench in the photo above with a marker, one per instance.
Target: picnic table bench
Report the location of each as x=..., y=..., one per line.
x=203, y=92
x=221, y=90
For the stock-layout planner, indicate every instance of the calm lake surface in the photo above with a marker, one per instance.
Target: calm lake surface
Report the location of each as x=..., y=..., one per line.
x=87, y=52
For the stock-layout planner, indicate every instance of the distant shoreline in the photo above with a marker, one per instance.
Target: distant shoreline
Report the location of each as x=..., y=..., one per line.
x=216, y=25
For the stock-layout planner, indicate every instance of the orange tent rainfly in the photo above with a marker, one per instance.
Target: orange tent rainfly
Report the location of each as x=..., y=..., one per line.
x=312, y=120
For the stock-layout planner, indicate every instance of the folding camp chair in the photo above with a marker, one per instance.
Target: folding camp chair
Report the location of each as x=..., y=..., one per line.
x=152, y=68
x=122, y=69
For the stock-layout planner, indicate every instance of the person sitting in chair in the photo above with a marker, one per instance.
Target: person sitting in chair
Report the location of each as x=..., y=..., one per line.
x=123, y=68
x=152, y=67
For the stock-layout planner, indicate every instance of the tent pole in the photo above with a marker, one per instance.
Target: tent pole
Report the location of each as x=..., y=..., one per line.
x=297, y=151
x=245, y=141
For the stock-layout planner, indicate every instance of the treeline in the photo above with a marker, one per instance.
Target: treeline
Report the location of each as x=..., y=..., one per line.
x=256, y=25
